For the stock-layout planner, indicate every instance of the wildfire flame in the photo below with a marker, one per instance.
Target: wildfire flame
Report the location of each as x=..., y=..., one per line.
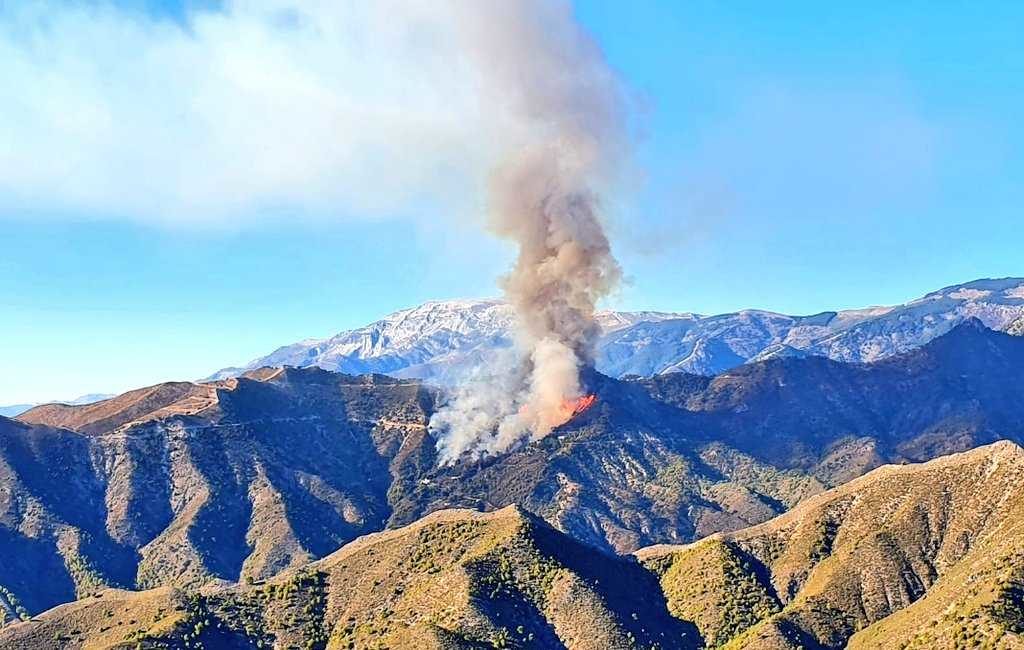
x=567, y=410
x=572, y=407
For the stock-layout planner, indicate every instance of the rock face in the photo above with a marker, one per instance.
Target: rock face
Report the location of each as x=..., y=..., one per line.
x=1016, y=328
x=923, y=556
x=440, y=340
x=181, y=484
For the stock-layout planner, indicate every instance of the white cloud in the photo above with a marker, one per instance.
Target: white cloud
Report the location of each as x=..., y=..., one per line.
x=321, y=107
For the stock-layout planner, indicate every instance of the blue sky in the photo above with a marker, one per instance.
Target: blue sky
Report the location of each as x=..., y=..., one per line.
x=801, y=157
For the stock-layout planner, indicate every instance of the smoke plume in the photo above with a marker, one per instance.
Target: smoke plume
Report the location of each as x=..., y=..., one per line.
x=544, y=197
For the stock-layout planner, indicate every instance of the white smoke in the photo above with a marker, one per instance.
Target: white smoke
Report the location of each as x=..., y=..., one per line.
x=544, y=197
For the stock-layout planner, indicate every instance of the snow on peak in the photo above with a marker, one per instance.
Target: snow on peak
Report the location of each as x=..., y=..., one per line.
x=440, y=338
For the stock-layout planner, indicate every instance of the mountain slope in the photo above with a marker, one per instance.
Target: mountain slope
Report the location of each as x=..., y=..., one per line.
x=843, y=563
x=629, y=470
x=439, y=340
x=678, y=457
x=456, y=579
x=133, y=407
x=920, y=556
x=183, y=483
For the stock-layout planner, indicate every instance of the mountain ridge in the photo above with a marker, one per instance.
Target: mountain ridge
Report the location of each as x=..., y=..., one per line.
x=441, y=340
x=901, y=557
x=248, y=477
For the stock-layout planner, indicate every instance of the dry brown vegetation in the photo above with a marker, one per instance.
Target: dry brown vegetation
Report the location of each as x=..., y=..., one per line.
x=456, y=579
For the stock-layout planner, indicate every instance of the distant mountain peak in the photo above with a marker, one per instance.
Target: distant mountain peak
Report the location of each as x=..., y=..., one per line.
x=440, y=339
x=1009, y=287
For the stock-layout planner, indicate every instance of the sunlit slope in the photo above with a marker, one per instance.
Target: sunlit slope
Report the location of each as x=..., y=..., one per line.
x=456, y=579
x=883, y=555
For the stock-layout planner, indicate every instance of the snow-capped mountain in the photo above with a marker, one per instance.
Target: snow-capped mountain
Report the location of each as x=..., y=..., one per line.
x=439, y=339
x=435, y=333
x=434, y=340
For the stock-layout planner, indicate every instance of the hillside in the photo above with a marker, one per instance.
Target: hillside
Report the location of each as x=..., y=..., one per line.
x=455, y=579
x=943, y=541
x=920, y=556
x=133, y=407
x=628, y=471
x=439, y=340
x=14, y=410
x=678, y=457
x=183, y=483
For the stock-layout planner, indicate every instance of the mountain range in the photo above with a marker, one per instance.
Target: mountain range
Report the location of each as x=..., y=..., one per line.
x=187, y=484
x=440, y=340
x=915, y=556
x=855, y=482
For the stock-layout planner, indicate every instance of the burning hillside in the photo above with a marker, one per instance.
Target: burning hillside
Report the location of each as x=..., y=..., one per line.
x=572, y=408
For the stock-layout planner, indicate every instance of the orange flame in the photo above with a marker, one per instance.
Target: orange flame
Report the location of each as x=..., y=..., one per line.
x=572, y=407
x=567, y=410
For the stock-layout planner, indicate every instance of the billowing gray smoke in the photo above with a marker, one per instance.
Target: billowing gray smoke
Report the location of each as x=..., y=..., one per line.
x=544, y=197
